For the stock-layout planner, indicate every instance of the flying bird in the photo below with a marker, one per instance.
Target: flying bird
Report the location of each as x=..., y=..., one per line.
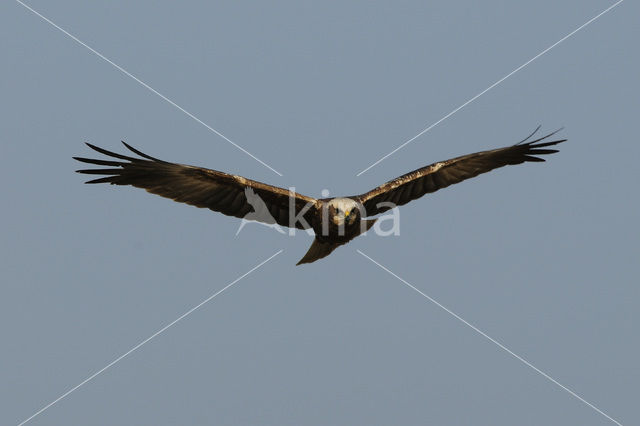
x=335, y=221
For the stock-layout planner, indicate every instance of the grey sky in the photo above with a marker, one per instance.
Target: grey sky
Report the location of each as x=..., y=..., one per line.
x=541, y=257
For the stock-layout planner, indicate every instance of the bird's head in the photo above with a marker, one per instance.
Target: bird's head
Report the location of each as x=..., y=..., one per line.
x=343, y=211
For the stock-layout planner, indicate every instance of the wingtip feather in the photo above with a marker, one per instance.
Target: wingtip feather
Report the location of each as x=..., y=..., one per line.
x=140, y=153
x=100, y=180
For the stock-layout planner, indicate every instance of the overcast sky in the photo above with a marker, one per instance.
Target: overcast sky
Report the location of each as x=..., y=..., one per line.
x=543, y=258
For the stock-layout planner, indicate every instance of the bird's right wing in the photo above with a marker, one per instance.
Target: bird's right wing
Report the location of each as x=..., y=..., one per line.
x=200, y=187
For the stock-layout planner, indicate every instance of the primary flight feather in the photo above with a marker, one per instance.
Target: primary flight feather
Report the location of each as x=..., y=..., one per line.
x=335, y=221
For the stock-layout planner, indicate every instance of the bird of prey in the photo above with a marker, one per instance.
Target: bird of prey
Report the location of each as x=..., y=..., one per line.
x=335, y=221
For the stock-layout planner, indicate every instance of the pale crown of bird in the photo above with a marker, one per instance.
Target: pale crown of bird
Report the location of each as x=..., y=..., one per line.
x=346, y=207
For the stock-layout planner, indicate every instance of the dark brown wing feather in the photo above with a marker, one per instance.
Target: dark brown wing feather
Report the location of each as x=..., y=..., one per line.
x=200, y=187
x=439, y=175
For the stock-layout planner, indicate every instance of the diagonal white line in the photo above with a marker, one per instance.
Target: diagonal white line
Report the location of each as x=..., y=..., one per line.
x=492, y=86
x=145, y=85
x=491, y=339
x=88, y=379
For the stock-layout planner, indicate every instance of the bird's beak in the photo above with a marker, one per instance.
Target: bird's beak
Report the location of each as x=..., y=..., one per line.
x=346, y=214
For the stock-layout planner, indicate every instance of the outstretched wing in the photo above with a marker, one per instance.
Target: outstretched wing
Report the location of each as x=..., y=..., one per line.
x=439, y=175
x=200, y=187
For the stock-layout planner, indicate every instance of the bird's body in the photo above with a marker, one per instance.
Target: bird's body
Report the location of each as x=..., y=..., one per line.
x=335, y=221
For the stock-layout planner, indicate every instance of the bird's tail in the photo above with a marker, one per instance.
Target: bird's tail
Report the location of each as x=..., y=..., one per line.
x=320, y=249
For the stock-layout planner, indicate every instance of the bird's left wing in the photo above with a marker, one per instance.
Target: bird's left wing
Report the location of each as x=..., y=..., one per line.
x=200, y=187
x=439, y=175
